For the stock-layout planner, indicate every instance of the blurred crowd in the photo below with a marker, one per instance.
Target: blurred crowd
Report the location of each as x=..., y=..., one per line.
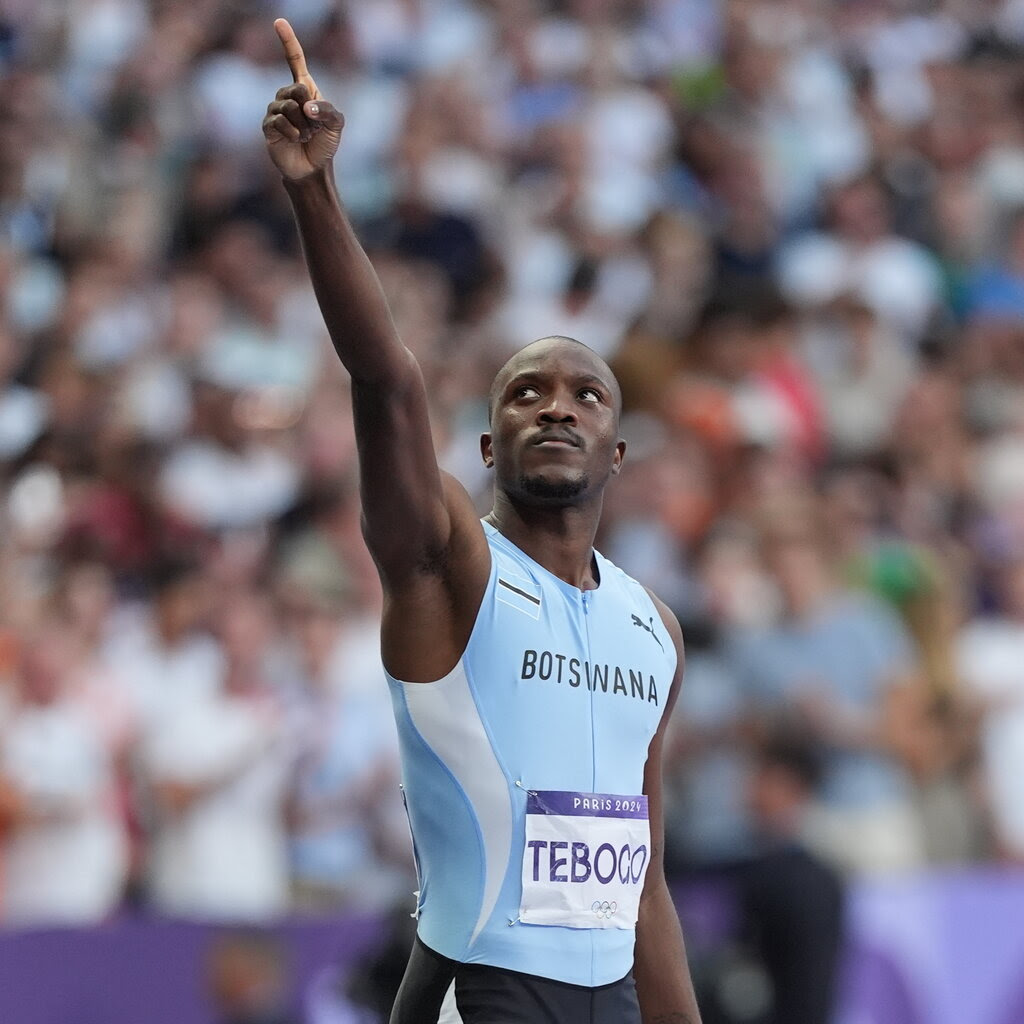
x=795, y=229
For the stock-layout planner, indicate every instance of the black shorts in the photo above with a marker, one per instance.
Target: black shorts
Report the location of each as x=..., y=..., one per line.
x=493, y=995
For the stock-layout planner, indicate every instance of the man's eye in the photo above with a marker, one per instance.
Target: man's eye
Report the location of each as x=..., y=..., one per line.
x=590, y=395
x=526, y=391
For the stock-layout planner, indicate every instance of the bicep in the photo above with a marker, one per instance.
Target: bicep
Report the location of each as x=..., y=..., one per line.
x=409, y=510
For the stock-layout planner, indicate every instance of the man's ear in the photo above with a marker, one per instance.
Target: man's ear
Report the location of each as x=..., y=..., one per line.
x=485, y=450
x=620, y=454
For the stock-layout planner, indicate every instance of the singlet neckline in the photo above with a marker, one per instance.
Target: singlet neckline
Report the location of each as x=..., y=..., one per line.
x=568, y=588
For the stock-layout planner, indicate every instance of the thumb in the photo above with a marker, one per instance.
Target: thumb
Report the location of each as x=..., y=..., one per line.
x=324, y=114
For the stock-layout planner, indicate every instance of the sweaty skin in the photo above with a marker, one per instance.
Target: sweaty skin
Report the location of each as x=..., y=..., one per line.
x=553, y=444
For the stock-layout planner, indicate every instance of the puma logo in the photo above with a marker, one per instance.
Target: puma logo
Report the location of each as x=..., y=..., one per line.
x=637, y=621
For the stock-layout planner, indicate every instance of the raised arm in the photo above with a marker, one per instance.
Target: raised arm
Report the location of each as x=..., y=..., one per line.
x=663, y=984
x=415, y=520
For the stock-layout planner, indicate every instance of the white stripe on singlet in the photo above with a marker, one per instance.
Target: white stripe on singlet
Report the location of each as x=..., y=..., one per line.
x=449, y=1011
x=468, y=755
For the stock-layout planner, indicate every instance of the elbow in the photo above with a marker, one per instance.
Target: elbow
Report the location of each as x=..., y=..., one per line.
x=393, y=372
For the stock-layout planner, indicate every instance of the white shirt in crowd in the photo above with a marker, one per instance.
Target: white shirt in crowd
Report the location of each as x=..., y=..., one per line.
x=224, y=855
x=157, y=675
x=68, y=863
x=990, y=658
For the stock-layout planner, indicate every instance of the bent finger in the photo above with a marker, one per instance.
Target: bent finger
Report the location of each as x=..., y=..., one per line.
x=279, y=125
x=295, y=91
x=291, y=110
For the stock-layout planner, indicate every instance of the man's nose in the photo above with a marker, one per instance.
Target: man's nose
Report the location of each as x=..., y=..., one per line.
x=558, y=409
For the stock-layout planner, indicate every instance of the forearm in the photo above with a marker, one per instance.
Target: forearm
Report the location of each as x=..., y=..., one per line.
x=662, y=975
x=346, y=285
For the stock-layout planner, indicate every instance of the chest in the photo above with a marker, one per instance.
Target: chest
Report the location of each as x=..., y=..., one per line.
x=54, y=751
x=572, y=684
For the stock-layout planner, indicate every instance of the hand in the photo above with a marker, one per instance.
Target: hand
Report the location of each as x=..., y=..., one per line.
x=302, y=130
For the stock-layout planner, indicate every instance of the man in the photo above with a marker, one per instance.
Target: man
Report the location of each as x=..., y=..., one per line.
x=840, y=663
x=531, y=679
x=989, y=654
x=792, y=900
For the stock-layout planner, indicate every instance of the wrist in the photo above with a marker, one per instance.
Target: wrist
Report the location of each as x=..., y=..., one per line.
x=318, y=183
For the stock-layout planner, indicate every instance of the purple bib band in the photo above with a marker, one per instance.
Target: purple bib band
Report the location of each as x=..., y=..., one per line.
x=589, y=805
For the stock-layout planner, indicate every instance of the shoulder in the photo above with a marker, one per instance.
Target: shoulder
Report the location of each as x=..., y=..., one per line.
x=630, y=584
x=668, y=617
x=675, y=632
x=666, y=614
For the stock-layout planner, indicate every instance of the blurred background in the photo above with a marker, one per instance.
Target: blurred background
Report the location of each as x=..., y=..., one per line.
x=795, y=229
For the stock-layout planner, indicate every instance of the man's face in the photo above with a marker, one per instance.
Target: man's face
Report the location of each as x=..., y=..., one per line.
x=554, y=425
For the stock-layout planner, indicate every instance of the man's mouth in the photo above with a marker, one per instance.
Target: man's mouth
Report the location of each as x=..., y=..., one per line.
x=566, y=440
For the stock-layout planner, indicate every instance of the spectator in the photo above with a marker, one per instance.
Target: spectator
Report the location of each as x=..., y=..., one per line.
x=792, y=900
x=860, y=254
x=215, y=767
x=862, y=374
x=226, y=477
x=344, y=837
x=247, y=978
x=709, y=820
x=65, y=846
x=841, y=663
x=988, y=655
x=161, y=650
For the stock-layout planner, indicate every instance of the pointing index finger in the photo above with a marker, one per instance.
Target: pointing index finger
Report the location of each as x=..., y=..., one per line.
x=295, y=57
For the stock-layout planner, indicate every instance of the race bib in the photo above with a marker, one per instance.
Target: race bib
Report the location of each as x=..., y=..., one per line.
x=585, y=859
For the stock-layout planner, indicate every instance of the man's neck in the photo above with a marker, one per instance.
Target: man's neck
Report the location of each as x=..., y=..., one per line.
x=560, y=539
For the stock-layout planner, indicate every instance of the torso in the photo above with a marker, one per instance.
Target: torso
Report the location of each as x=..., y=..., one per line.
x=557, y=690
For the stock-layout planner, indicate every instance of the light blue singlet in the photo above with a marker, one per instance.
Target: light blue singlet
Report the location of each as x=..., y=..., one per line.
x=558, y=690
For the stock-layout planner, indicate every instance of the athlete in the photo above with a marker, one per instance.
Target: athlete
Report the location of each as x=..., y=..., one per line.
x=532, y=680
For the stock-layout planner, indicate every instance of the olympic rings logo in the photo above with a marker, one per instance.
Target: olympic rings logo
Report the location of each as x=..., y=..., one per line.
x=604, y=909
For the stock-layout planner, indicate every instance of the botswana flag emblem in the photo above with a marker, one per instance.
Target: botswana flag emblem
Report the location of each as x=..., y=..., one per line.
x=521, y=593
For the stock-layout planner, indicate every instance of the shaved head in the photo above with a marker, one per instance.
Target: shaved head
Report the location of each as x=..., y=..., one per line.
x=541, y=347
x=554, y=425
